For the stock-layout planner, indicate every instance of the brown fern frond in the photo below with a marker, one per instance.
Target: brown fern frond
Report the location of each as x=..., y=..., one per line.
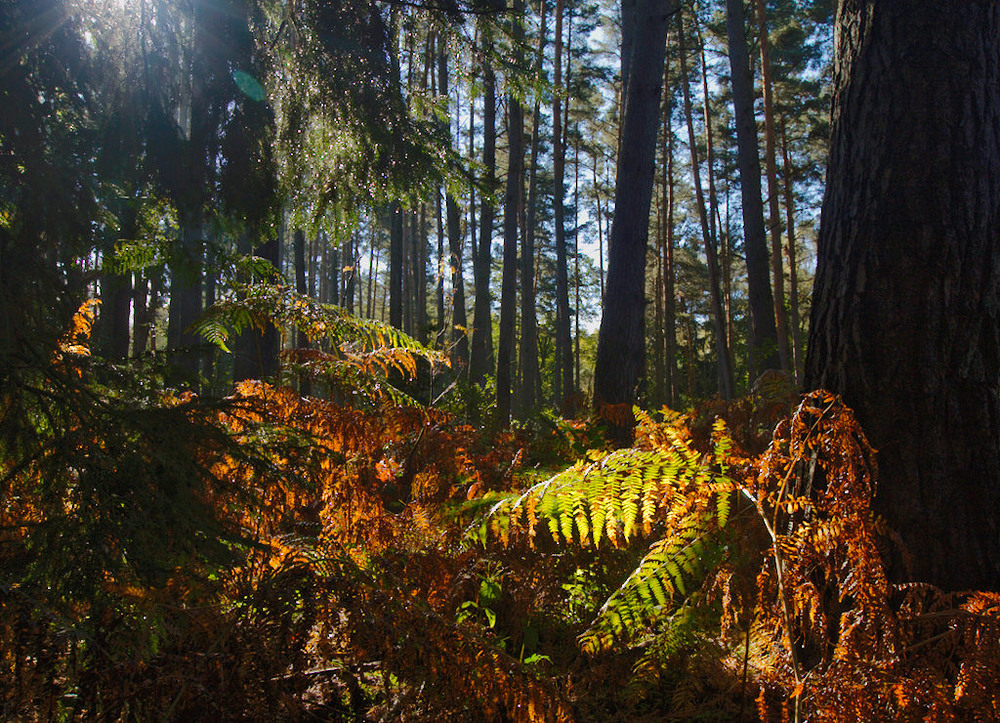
x=851, y=645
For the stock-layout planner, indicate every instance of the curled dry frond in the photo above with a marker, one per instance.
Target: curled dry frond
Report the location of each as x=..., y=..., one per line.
x=848, y=643
x=77, y=337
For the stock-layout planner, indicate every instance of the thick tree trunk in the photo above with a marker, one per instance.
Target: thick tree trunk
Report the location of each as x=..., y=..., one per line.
x=185, y=298
x=621, y=343
x=255, y=353
x=116, y=300
x=763, y=341
x=907, y=292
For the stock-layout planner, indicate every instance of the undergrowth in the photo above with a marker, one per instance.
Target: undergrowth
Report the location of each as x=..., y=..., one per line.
x=277, y=557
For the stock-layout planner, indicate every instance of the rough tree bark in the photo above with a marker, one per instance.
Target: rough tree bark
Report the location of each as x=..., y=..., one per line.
x=907, y=293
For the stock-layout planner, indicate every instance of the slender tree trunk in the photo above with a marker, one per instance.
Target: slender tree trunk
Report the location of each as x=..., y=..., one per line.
x=459, y=339
x=727, y=266
x=713, y=197
x=512, y=211
x=245, y=345
x=407, y=272
x=334, y=273
x=299, y=260
x=763, y=341
x=689, y=347
x=269, y=341
x=564, y=353
x=301, y=340
x=395, y=265
x=600, y=231
x=482, y=324
x=667, y=248
x=324, y=268
x=312, y=266
x=659, y=392
x=788, y=173
x=350, y=272
x=441, y=267
x=576, y=271
x=207, y=353
x=530, y=384
x=906, y=304
x=373, y=254
x=621, y=343
x=155, y=297
x=770, y=164
x=420, y=277
x=724, y=361
x=416, y=276
x=142, y=314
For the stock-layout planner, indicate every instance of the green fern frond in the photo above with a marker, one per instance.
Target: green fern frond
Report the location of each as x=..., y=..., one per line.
x=362, y=354
x=213, y=330
x=665, y=573
x=671, y=490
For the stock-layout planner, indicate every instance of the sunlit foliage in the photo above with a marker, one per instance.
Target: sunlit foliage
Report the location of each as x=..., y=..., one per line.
x=272, y=556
